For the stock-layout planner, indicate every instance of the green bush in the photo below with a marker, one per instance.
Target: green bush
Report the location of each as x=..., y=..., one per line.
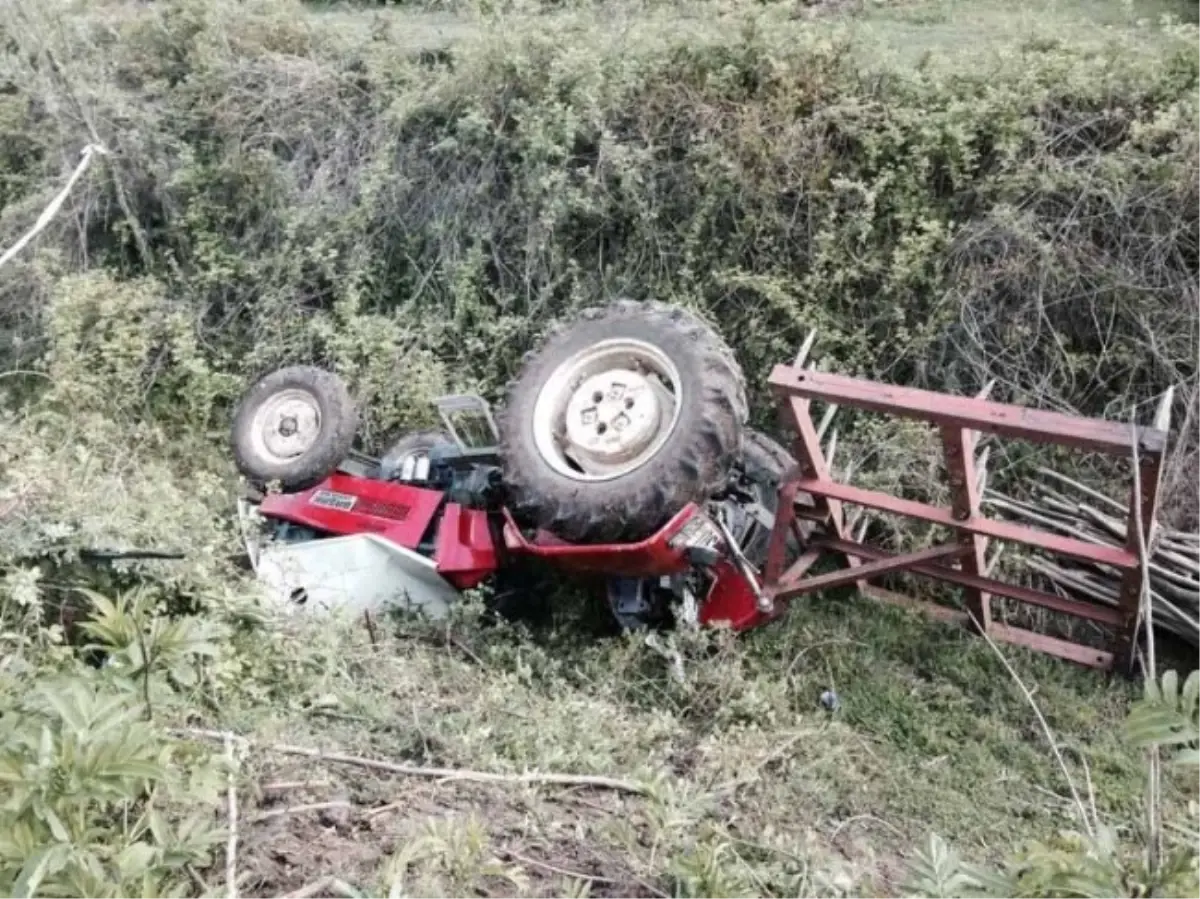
x=414, y=221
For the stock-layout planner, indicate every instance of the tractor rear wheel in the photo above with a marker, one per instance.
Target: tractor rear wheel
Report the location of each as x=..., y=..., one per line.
x=622, y=418
x=294, y=427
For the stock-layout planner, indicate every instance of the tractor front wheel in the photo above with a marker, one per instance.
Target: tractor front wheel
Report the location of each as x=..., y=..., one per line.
x=294, y=427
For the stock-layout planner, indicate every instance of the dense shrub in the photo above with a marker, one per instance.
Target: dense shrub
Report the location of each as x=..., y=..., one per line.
x=304, y=194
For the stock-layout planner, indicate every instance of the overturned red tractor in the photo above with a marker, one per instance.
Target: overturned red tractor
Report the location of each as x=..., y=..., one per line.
x=622, y=450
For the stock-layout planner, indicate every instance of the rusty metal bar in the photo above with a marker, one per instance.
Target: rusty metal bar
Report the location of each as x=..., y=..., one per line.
x=960, y=420
x=1007, y=420
x=1149, y=475
x=785, y=521
x=800, y=567
x=811, y=462
x=884, y=564
x=958, y=444
x=1143, y=505
x=1091, y=611
x=1064, y=649
x=1018, y=636
x=998, y=530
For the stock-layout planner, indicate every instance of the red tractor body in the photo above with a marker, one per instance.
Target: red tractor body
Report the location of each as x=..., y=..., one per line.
x=468, y=545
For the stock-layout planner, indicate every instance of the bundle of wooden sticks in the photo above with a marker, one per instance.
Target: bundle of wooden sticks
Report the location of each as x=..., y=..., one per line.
x=1067, y=507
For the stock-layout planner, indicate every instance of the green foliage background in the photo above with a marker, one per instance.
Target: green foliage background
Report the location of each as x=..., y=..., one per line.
x=293, y=192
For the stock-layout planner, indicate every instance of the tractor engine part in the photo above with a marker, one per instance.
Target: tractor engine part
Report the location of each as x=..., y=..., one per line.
x=745, y=512
x=434, y=460
x=619, y=420
x=411, y=459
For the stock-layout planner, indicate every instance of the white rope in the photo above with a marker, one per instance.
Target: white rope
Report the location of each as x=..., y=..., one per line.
x=52, y=210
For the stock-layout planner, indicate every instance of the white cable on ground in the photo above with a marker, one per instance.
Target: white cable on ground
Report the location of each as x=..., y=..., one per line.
x=55, y=204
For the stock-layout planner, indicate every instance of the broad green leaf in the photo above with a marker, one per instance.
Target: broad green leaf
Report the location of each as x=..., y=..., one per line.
x=143, y=769
x=101, y=603
x=37, y=867
x=46, y=748
x=1191, y=692
x=1170, y=687
x=158, y=827
x=11, y=769
x=65, y=704
x=1150, y=691
x=1187, y=757
x=57, y=828
x=1162, y=728
x=135, y=860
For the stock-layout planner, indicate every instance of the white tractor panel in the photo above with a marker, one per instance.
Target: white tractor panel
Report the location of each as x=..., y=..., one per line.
x=351, y=575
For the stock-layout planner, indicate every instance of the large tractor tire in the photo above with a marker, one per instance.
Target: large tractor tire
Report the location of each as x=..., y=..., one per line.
x=620, y=419
x=293, y=427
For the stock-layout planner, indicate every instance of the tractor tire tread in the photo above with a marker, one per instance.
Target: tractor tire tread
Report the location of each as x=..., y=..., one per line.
x=339, y=425
x=693, y=464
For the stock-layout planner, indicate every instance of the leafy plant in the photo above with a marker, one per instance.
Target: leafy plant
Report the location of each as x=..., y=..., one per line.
x=1098, y=865
x=96, y=802
x=449, y=857
x=1070, y=864
x=1168, y=716
x=147, y=650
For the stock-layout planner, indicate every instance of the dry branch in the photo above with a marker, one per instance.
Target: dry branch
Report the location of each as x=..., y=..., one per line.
x=532, y=777
x=300, y=809
x=231, y=802
x=324, y=885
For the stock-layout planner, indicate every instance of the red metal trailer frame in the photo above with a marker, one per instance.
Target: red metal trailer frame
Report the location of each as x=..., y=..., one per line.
x=959, y=420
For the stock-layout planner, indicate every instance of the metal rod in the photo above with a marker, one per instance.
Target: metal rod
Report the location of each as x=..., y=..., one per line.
x=1090, y=611
x=882, y=565
x=987, y=416
x=999, y=530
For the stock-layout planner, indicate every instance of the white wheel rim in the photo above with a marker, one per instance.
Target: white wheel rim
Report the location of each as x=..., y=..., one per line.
x=607, y=410
x=286, y=426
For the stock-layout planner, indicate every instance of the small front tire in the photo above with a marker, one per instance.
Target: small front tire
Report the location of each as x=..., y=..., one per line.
x=293, y=427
